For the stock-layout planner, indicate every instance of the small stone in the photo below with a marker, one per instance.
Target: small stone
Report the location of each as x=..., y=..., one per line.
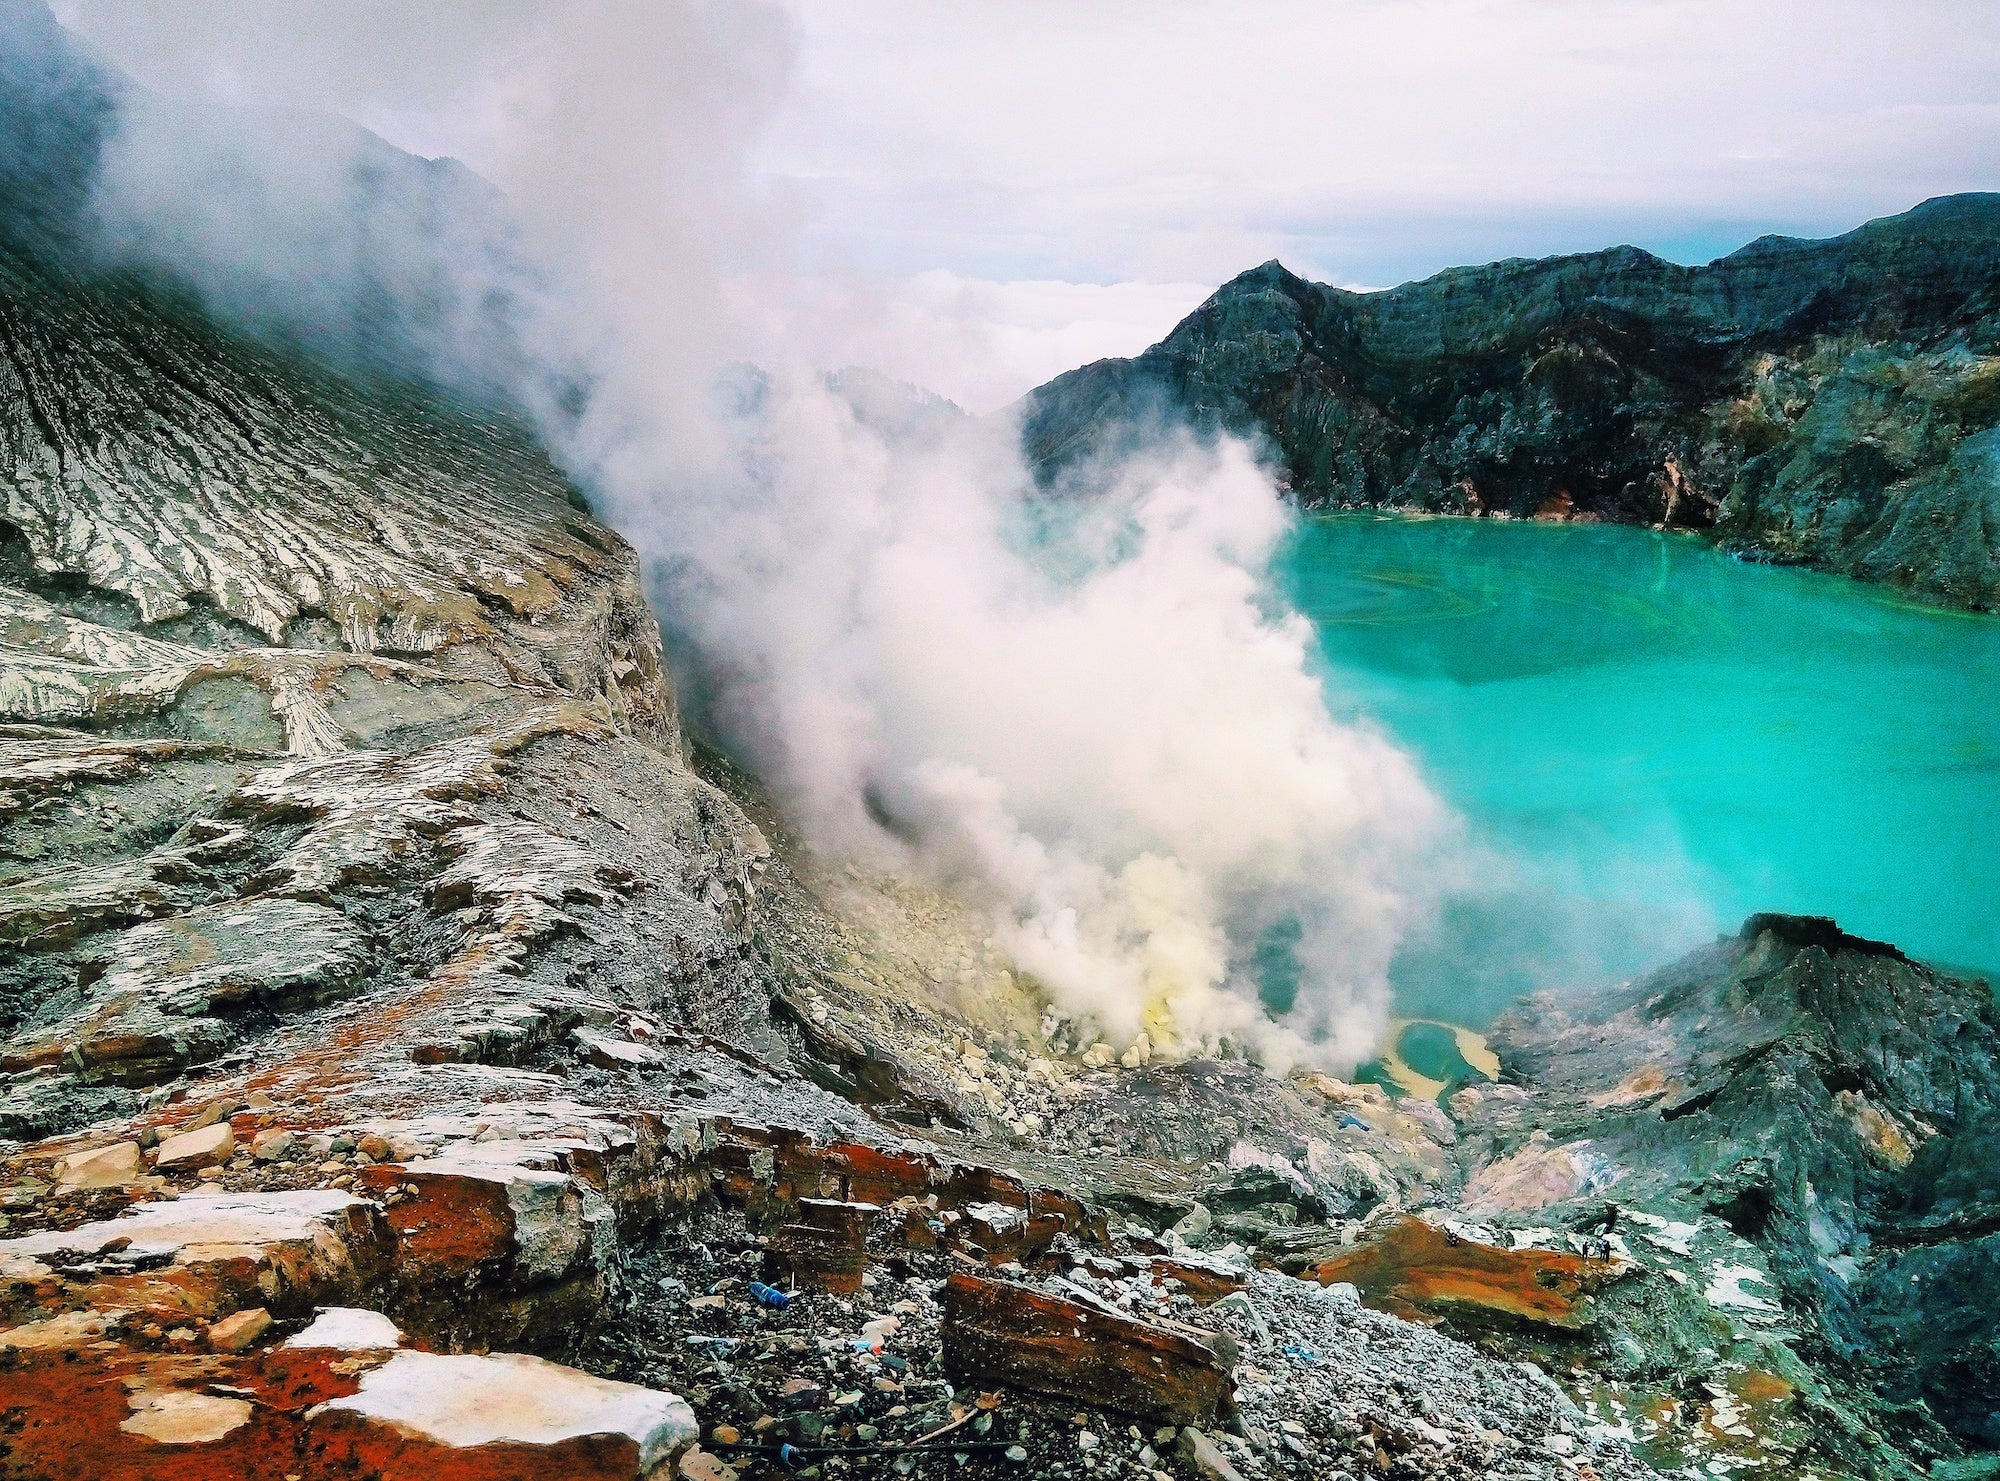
x=234, y=1333
x=1559, y=1444
x=201, y=1148
x=699, y=1465
x=274, y=1145
x=375, y=1147
x=1086, y=1441
x=214, y=1111
x=1017, y=1453
x=725, y=1434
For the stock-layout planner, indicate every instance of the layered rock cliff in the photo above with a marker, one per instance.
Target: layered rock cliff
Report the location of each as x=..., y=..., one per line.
x=1830, y=403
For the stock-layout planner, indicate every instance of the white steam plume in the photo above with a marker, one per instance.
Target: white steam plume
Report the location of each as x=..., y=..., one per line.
x=1107, y=736
x=1094, y=723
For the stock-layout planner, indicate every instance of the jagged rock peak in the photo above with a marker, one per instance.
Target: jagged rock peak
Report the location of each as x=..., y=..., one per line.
x=1830, y=403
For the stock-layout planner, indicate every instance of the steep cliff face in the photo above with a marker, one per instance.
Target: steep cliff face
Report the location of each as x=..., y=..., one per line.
x=1831, y=403
x=272, y=640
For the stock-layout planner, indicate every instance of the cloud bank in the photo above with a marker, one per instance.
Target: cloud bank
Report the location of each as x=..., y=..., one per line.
x=1132, y=147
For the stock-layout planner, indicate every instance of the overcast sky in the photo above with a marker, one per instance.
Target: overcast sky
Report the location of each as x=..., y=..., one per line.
x=982, y=195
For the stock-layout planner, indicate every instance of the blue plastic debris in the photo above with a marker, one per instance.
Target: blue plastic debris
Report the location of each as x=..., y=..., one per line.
x=1301, y=1354
x=769, y=1296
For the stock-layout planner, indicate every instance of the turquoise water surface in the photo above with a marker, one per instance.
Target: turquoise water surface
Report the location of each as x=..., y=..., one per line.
x=1649, y=740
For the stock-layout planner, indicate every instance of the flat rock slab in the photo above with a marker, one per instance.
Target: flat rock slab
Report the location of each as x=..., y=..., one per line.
x=348, y=1329
x=1414, y=1269
x=321, y=1236
x=1000, y=1332
x=225, y=954
x=469, y=1415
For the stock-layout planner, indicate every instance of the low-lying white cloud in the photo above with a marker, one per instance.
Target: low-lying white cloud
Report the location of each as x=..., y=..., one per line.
x=979, y=342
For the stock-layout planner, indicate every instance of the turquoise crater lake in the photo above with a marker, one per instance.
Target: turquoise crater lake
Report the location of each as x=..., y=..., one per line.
x=1649, y=741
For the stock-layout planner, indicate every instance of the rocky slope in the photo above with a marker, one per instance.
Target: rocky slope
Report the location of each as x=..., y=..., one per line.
x=391, y=1015
x=410, y=1060
x=414, y=1063
x=1831, y=403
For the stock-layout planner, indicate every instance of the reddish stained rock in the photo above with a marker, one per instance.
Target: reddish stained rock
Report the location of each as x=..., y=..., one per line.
x=1414, y=1269
x=454, y=1224
x=1205, y=1283
x=827, y=1247
x=870, y=1175
x=995, y=1331
x=93, y=1414
x=98, y=1414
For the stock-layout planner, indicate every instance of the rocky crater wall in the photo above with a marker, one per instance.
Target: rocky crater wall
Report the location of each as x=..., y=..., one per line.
x=1828, y=403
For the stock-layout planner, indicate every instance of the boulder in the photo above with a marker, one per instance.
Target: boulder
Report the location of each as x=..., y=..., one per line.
x=101, y=1167
x=235, y=1333
x=996, y=1331
x=195, y=1149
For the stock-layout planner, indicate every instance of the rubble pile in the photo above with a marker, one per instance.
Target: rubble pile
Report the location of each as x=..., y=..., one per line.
x=1275, y=1376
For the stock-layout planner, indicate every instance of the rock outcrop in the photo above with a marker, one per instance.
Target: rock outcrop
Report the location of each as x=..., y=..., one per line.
x=1791, y=1134
x=1831, y=403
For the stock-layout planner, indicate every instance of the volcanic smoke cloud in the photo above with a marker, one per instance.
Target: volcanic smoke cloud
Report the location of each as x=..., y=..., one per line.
x=1091, y=719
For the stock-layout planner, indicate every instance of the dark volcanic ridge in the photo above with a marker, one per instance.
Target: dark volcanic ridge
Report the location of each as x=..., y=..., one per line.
x=1825, y=403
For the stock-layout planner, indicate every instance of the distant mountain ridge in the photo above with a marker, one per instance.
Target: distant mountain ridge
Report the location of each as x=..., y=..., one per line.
x=1828, y=403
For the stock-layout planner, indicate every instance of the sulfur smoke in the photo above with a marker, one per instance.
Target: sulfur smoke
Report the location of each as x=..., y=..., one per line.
x=1090, y=717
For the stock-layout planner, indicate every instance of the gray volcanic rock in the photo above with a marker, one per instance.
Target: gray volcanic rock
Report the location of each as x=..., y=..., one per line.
x=1799, y=1124
x=1829, y=403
